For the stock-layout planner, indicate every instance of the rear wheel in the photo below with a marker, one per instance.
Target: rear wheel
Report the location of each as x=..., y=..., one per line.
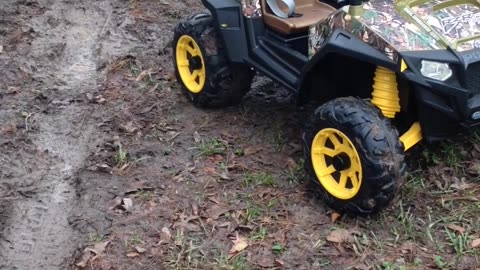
x=354, y=156
x=208, y=79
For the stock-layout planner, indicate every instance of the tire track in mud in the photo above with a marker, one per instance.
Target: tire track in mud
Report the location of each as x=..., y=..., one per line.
x=38, y=234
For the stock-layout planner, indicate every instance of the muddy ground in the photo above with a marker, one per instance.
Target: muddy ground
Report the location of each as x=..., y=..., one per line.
x=104, y=165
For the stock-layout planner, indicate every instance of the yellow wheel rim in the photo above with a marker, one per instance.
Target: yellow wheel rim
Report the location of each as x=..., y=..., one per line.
x=336, y=163
x=190, y=64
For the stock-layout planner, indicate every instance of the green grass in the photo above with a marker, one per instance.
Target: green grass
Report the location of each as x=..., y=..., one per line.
x=258, y=179
x=121, y=157
x=211, y=147
x=253, y=212
x=134, y=240
x=95, y=238
x=278, y=249
x=238, y=262
x=259, y=234
x=296, y=174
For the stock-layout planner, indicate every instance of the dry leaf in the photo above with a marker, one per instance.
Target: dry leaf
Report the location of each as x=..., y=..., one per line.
x=279, y=262
x=408, y=247
x=250, y=150
x=84, y=259
x=99, y=248
x=216, y=211
x=165, y=235
x=291, y=163
x=100, y=99
x=340, y=236
x=127, y=204
x=475, y=243
x=475, y=168
x=116, y=203
x=184, y=223
x=263, y=258
x=1, y=49
x=239, y=244
x=140, y=249
x=456, y=228
x=129, y=127
x=224, y=176
x=89, y=254
x=196, y=137
x=142, y=75
x=335, y=216
x=133, y=254
x=461, y=185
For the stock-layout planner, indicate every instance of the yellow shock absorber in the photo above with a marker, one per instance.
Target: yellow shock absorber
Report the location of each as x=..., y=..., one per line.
x=385, y=92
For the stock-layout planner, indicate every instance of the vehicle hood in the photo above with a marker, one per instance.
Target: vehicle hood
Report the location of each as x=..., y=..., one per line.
x=412, y=25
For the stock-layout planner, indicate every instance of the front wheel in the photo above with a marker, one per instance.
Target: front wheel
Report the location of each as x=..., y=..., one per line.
x=354, y=156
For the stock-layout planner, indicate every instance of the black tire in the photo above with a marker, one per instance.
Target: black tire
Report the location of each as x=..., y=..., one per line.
x=377, y=144
x=226, y=83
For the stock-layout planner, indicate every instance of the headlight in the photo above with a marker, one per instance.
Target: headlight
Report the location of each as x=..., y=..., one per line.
x=436, y=70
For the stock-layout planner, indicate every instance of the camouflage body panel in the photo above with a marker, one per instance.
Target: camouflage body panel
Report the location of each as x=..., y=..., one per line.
x=456, y=23
x=393, y=26
x=340, y=19
x=251, y=8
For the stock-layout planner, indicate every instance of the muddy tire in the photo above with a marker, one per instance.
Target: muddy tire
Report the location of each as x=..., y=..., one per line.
x=209, y=79
x=354, y=156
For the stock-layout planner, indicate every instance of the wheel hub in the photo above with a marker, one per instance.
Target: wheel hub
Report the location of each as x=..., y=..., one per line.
x=336, y=163
x=190, y=64
x=341, y=162
x=195, y=62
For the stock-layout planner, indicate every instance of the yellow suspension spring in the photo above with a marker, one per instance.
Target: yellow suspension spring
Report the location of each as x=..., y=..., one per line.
x=385, y=92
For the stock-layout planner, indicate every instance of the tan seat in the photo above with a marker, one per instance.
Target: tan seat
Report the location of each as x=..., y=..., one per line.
x=312, y=12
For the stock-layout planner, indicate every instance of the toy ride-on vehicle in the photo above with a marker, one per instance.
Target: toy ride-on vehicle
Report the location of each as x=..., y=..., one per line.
x=379, y=68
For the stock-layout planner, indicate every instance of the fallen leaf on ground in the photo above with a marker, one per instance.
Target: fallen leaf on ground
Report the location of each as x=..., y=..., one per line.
x=456, y=228
x=84, y=259
x=461, y=185
x=137, y=186
x=279, y=262
x=216, y=211
x=216, y=159
x=209, y=170
x=475, y=243
x=262, y=257
x=90, y=254
x=340, y=236
x=165, y=234
x=250, y=150
x=475, y=168
x=140, y=249
x=335, y=216
x=100, y=99
x=127, y=204
x=408, y=247
x=1, y=49
x=196, y=137
x=184, y=223
x=133, y=254
x=129, y=127
x=142, y=75
x=116, y=203
x=291, y=163
x=239, y=244
x=224, y=176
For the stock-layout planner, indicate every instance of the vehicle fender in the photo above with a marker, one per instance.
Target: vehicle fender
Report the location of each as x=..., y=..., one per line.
x=229, y=21
x=343, y=43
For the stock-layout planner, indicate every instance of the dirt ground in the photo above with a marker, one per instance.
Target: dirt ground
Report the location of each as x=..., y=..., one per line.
x=104, y=165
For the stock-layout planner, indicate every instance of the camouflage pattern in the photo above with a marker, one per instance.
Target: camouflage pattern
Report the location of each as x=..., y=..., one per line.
x=394, y=26
x=455, y=23
x=251, y=8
